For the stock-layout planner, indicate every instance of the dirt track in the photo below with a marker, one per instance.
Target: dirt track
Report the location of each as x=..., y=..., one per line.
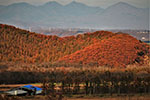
x=100, y=98
x=117, y=98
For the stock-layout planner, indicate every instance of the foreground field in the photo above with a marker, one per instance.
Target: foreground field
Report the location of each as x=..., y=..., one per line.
x=133, y=97
x=114, y=98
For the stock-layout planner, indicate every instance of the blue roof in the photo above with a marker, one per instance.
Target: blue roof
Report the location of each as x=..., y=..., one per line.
x=32, y=87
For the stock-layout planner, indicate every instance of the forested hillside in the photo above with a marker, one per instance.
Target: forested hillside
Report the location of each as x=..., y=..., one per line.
x=101, y=48
x=119, y=50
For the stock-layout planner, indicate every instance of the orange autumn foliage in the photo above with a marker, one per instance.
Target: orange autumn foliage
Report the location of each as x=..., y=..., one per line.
x=17, y=45
x=119, y=50
x=101, y=47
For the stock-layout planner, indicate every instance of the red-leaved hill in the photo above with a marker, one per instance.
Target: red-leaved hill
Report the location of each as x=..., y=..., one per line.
x=100, y=48
x=119, y=50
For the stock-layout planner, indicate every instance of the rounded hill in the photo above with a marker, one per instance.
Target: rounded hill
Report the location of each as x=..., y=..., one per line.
x=98, y=48
x=119, y=50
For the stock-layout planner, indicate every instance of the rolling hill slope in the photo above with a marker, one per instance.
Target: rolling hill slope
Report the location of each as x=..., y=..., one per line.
x=102, y=48
x=119, y=50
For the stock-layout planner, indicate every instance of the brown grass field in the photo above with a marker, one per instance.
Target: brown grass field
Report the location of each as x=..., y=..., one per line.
x=114, y=98
x=136, y=97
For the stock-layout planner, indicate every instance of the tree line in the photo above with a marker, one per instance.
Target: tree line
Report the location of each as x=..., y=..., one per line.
x=84, y=81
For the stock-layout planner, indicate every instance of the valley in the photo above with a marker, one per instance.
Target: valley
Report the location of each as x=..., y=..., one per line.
x=100, y=62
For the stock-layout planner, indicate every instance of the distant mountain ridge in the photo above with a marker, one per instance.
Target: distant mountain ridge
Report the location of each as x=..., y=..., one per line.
x=75, y=15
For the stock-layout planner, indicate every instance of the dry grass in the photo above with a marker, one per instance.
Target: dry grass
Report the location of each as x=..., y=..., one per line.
x=41, y=68
x=144, y=97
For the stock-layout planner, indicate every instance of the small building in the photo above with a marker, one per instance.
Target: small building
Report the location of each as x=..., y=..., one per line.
x=24, y=90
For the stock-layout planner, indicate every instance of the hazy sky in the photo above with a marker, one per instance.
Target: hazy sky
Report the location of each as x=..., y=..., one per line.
x=101, y=3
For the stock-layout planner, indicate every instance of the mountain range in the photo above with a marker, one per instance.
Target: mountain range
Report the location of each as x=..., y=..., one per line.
x=75, y=15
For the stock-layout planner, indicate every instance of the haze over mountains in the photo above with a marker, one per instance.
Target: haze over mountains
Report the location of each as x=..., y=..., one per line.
x=75, y=15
